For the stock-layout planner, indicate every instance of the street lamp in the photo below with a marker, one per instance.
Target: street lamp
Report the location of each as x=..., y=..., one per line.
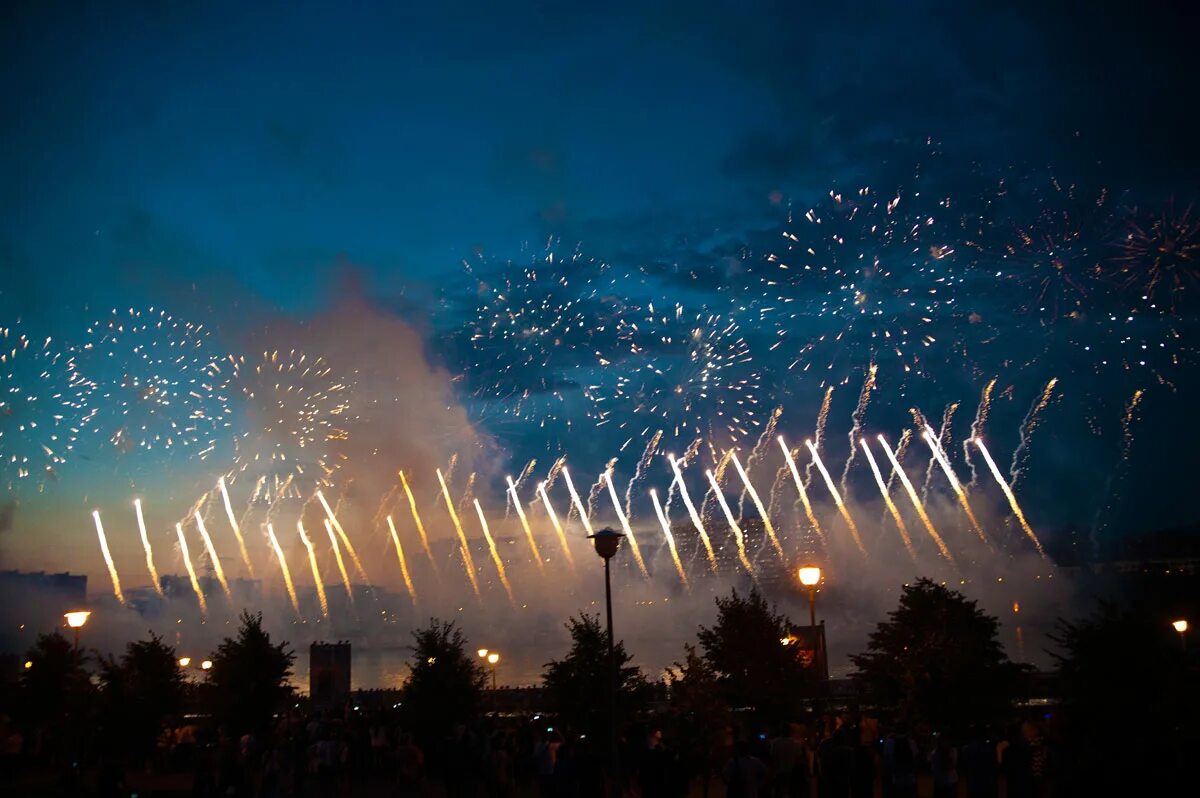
x=185, y=661
x=810, y=577
x=76, y=619
x=206, y=665
x=1181, y=626
x=607, y=541
x=492, y=659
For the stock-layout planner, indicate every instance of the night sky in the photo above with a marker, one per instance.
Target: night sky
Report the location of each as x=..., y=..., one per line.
x=526, y=219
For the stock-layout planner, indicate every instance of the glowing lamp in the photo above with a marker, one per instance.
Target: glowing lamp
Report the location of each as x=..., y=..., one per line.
x=1181, y=626
x=493, y=658
x=810, y=575
x=206, y=665
x=185, y=661
x=28, y=664
x=483, y=652
x=77, y=618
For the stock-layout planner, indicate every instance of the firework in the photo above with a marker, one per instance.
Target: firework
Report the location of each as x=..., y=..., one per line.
x=738, y=537
x=762, y=511
x=408, y=583
x=160, y=382
x=191, y=569
x=916, y=500
x=43, y=408
x=943, y=437
x=1008, y=494
x=887, y=499
x=316, y=572
x=237, y=529
x=666, y=529
x=790, y=457
x=856, y=418
x=642, y=465
x=412, y=505
x=819, y=433
x=1160, y=256
x=760, y=446
x=491, y=544
x=108, y=560
x=837, y=498
x=464, y=547
x=341, y=563
x=576, y=503
x=691, y=508
x=1028, y=426
x=558, y=530
x=213, y=559
x=936, y=448
x=516, y=500
x=358, y=566
x=283, y=569
x=137, y=508
x=977, y=426
x=633, y=544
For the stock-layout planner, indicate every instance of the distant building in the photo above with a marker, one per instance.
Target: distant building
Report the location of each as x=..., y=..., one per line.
x=33, y=602
x=329, y=674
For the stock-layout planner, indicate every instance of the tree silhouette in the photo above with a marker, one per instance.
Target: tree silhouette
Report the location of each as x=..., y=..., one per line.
x=248, y=680
x=445, y=687
x=696, y=699
x=754, y=668
x=1126, y=666
x=55, y=690
x=937, y=659
x=138, y=692
x=577, y=685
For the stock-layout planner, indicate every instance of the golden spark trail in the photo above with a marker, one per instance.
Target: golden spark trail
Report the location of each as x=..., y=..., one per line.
x=860, y=412
x=944, y=438
x=756, y=453
x=408, y=583
x=666, y=528
x=1028, y=426
x=576, y=503
x=468, y=494
x=977, y=426
x=283, y=569
x=691, y=451
x=552, y=474
x=487, y=535
x=633, y=544
x=464, y=547
x=887, y=499
x=706, y=506
x=525, y=472
x=754, y=497
x=691, y=508
x=137, y=508
x=808, y=510
x=819, y=434
x=191, y=569
x=237, y=530
x=345, y=539
x=595, y=490
x=108, y=560
x=341, y=563
x=738, y=537
x=916, y=500
x=516, y=500
x=212, y=557
x=412, y=505
x=642, y=465
x=1008, y=494
x=954, y=483
x=558, y=530
x=316, y=572
x=901, y=449
x=837, y=499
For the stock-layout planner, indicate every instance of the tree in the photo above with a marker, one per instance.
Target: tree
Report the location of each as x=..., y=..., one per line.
x=1126, y=666
x=937, y=659
x=445, y=687
x=55, y=688
x=754, y=668
x=139, y=692
x=577, y=685
x=248, y=680
x=695, y=696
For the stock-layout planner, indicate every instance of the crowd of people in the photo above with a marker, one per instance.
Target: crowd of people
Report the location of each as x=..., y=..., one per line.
x=370, y=753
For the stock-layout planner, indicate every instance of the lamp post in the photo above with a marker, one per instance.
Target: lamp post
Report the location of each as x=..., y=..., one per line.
x=1181, y=626
x=492, y=659
x=76, y=619
x=607, y=541
x=810, y=577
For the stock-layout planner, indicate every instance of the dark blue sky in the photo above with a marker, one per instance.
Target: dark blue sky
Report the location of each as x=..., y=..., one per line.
x=234, y=162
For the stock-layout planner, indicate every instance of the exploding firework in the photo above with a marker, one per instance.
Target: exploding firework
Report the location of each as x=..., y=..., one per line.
x=1159, y=258
x=159, y=381
x=44, y=405
x=297, y=408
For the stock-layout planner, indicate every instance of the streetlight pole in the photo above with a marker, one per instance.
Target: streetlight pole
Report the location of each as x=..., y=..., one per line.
x=76, y=619
x=810, y=577
x=607, y=541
